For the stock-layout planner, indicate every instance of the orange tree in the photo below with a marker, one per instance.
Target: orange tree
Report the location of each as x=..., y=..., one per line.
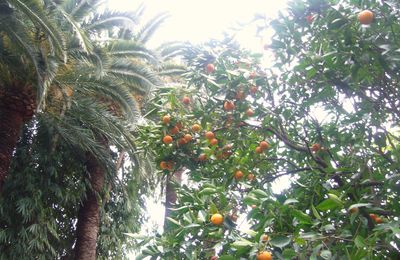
x=324, y=115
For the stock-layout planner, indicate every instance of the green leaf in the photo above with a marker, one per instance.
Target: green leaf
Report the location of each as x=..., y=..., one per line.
x=290, y=201
x=226, y=257
x=250, y=200
x=289, y=253
x=335, y=199
x=207, y=191
x=302, y=217
x=280, y=241
x=315, y=212
x=260, y=193
x=327, y=204
x=241, y=244
x=359, y=241
x=326, y=254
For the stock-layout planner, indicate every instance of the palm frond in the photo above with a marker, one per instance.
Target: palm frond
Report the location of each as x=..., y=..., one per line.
x=109, y=20
x=171, y=50
x=150, y=28
x=131, y=49
x=133, y=73
x=34, y=11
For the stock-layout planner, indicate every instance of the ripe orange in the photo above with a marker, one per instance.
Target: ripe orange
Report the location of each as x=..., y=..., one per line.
x=249, y=112
x=182, y=141
x=366, y=17
x=253, y=90
x=315, y=147
x=240, y=95
x=166, y=119
x=174, y=130
x=163, y=165
x=210, y=68
x=253, y=206
x=238, y=175
x=265, y=238
x=310, y=18
x=373, y=216
x=214, y=141
x=264, y=145
x=264, y=255
x=251, y=177
x=196, y=127
x=69, y=91
x=169, y=165
x=188, y=138
x=202, y=157
x=186, y=100
x=167, y=139
x=259, y=149
x=229, y=105
x=354, y=210
x=217, y=219
x=378, y=220
x=209, y=135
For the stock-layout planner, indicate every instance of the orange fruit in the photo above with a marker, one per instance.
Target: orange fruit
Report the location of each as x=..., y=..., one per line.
x=69, y=91
x=240, y=95
x=188, y=138
x=238, y=175
x=354, y=210
x=366, y=17
x=174, y=130
x=265, y=238
x=167, y=139
x=214, y=141
x=163, y=165
x=202, y=157
x=209, y=135
x=210, y=68
x=253, y=90
x=217, y=219
x=373, y=216
x=264, y=145
x=310, y=18
x=251, y=177
x=182, y=141
x=229, y=105
x=259, y=149
x=253, y=206
x=186, y=100
x=249, y=112
x=378, y=220
x=264, y=255
x=166, y=119
x=169, y=165
x=315, y=147
x=196, y=127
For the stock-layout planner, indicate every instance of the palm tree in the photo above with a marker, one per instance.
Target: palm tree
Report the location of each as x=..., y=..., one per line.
x=32, y=46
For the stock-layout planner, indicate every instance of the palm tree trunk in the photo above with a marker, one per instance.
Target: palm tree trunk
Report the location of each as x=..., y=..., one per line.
x=16, y=106
x=89, y=213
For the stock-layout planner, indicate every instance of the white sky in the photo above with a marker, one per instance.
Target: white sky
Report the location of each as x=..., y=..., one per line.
x=197, y=21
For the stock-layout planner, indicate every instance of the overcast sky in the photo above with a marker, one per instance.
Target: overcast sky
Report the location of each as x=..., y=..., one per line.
x=196, y=21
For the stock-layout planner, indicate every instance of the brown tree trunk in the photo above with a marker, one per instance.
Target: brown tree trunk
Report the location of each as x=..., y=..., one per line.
x=89, y=213
x=17, y=105
x=170, y=195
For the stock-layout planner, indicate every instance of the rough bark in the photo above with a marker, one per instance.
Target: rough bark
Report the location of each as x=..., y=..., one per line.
x=170, y=195
x=89, y=213
x=17, y=105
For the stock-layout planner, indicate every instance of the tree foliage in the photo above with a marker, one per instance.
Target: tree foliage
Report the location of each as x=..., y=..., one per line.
x=328, y=109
